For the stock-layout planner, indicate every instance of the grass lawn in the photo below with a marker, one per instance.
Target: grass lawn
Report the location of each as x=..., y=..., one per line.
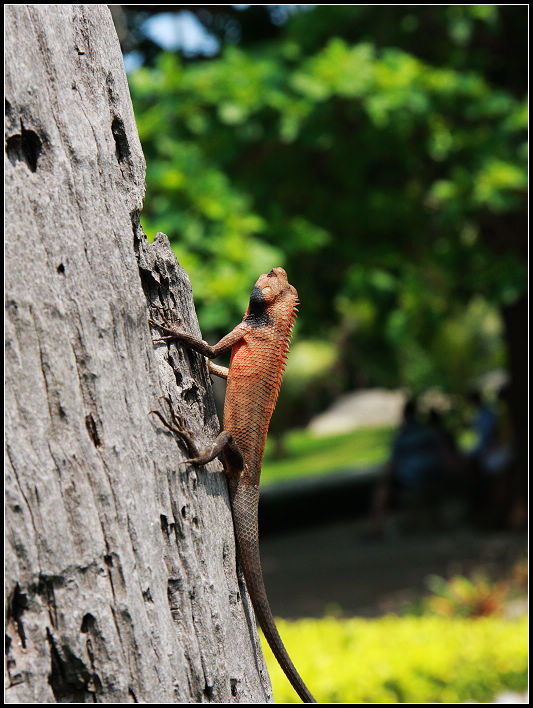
x=309, y=455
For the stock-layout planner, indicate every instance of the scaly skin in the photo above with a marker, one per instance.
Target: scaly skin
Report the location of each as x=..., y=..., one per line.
x=259, y=346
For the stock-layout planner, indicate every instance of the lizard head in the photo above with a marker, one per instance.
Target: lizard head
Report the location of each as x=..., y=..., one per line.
x=274, y=285
x=271, y=294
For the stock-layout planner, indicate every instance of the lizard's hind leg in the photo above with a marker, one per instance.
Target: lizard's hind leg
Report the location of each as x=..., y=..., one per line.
x=217, y=370
x=223, y=443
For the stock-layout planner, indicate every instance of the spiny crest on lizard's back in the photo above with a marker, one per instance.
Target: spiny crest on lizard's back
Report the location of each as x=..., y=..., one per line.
x=275, y=300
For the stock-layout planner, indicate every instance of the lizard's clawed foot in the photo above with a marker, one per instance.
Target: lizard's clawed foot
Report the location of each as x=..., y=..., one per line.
x=167, y=324
x=224, y=442
x=178, y=429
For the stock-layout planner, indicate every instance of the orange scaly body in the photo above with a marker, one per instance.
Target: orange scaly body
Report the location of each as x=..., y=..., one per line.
x=256, y=369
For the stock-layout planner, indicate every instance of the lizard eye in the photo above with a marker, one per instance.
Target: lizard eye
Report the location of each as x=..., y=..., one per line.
x=266, y=291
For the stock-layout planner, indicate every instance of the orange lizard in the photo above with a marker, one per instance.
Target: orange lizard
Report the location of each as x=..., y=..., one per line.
x=259, y=345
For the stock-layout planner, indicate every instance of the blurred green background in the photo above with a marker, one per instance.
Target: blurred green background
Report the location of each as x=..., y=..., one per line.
x=378, y=154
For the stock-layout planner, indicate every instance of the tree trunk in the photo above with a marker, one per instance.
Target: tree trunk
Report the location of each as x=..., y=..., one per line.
x=121, y=578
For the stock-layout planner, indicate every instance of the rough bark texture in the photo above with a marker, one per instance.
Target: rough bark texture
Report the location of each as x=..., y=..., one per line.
x=121, y=571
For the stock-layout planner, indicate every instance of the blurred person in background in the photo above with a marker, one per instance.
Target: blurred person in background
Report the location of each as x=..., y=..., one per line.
x=452, y=462
x=414, y=476
x=492, y=460
x=484, y=425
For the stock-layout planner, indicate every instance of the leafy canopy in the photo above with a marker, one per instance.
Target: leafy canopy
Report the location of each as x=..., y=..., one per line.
x=390, y=188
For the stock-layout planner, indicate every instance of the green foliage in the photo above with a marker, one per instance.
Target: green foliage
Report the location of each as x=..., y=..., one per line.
x=382, y=182
x=309, y=360
x=403, y=659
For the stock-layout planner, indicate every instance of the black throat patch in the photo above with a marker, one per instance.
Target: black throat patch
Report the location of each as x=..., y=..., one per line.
x=257, y=314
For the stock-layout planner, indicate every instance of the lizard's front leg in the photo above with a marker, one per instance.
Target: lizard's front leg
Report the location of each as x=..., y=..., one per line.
x=174, y=333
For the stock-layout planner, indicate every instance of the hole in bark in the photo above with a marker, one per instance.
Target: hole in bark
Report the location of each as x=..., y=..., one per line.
x=18, y=605
x=92, y=430
x=208, y=691
x=184, y=511
x=68, y=677
x=164, y=524
x=98, y=686
x=233, y=684
x=88, y=623
x=148, y=281
x=122, y=150
x=111, y=91
x=174, y=585
x=25, y=147
x=133, y=696
x=60, y=268
x=192, y=395
x=108, y=560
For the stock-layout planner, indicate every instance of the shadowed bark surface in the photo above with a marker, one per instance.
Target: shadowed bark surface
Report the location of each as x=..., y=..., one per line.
x=121, y=578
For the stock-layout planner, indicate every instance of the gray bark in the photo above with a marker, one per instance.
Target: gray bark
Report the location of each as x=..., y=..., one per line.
x=121, y=578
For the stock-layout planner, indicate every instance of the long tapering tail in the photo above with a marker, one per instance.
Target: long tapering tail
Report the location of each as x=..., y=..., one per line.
x=245, y=499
